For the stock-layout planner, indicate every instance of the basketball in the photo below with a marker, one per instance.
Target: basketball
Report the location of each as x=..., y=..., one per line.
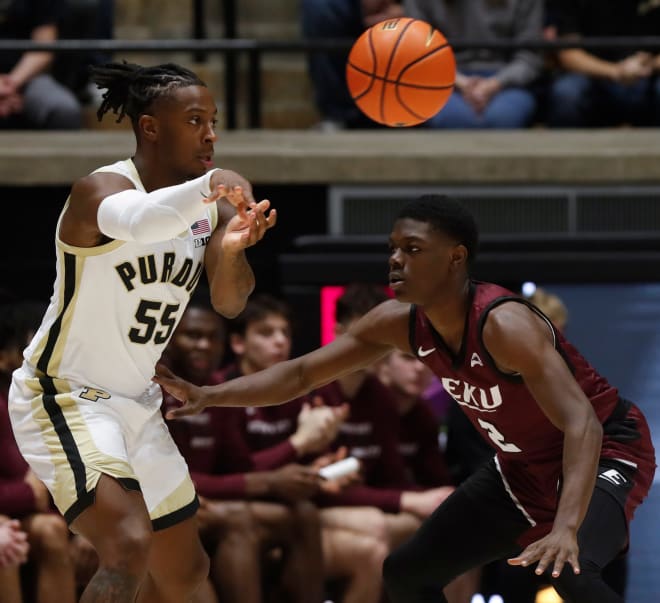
x=401, y=72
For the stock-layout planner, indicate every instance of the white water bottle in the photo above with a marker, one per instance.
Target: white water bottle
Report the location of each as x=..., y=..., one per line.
x=340, y=468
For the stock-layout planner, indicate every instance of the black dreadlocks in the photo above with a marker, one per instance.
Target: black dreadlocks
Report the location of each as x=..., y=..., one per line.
x=130, y=89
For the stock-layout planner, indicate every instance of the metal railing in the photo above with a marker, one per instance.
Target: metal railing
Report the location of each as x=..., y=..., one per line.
x=256, y=49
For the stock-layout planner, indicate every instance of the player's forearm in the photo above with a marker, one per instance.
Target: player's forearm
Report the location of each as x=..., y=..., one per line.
x=231, y=282
x=269, y=387
x=132, y=215
x=582, y=444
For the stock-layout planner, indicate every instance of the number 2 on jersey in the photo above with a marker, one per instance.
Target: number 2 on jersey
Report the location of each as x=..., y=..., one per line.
x=497, y=437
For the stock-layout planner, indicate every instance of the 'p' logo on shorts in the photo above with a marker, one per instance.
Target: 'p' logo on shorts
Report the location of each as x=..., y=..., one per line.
x=94, y=395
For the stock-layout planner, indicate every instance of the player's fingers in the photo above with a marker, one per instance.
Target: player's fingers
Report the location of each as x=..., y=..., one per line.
x=524, y=559
x=271, y=218
x=575, y=563
x=177, y=413
x=260, y=210
x=248, y=196
x=558, y=566
x=242, y=194
x=169, y=385
x=543, y=563
x=233, y=194
x=163, y=371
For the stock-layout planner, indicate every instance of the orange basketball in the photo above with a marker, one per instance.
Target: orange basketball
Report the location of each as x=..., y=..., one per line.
x=401, y=72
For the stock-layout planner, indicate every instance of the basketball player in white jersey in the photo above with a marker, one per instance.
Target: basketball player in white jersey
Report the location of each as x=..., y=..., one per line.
x=131, y=242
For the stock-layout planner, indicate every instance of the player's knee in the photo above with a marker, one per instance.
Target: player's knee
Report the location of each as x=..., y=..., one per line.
x=127, y=547
x=196, y=570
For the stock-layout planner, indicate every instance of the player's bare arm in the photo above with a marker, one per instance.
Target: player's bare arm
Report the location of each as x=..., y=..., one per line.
x=79, y=225
x=370, y=338
x=229, y=274
x=521, y=342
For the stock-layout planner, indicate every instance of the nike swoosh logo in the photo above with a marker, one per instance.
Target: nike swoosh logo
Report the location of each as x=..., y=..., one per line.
x=421, y=353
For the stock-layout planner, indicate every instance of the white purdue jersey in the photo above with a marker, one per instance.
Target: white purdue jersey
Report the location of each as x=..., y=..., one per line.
x=115, y=306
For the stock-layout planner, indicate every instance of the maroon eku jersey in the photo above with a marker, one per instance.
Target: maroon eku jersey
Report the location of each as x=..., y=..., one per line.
x=529, y=447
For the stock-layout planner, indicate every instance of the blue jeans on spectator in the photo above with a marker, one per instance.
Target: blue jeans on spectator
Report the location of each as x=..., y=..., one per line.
x=577, y=101
x=510, y=108
x=327, y=70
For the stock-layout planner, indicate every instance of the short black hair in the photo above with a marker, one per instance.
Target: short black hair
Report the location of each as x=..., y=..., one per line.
x=447, y=215
x=257, y=308
x=130, y=88
x=357, y=299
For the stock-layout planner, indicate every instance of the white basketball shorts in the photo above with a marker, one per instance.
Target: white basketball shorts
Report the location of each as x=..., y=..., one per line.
x=70, y=434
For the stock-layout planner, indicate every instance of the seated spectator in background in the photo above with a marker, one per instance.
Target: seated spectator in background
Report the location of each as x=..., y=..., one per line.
x=610, y=86
x=29, y=96
x=13, y=553
x=244, y=514
x=407, y=378
x=261, y=336
x=339, y=19
x=22, y=495
x=493, y=87
x=84, y=20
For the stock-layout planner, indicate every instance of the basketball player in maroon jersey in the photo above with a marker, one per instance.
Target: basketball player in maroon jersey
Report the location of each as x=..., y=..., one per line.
x=573, y=460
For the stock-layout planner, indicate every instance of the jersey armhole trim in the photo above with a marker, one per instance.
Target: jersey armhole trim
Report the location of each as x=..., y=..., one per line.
x=412, y=328
x=514, y=377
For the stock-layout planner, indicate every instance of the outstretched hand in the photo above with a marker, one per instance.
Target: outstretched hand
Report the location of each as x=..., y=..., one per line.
x=248, y=227
x=557, y=548
x=233, y=187
x=191, y=395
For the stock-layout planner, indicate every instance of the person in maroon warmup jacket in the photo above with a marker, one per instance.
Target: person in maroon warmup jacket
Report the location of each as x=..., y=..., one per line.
x=260, y=337
x=407, y=379
x=244, y=514
x=574, y=459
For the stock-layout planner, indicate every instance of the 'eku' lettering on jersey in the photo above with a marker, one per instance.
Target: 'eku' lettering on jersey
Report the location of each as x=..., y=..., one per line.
x=477, y=398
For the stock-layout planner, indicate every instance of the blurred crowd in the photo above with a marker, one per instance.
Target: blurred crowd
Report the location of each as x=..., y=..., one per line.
x=275, y=530
x=501, y=88
x=495, y=88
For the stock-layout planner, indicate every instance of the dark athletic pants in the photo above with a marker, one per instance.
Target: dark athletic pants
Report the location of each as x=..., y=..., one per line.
x=479, y=523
